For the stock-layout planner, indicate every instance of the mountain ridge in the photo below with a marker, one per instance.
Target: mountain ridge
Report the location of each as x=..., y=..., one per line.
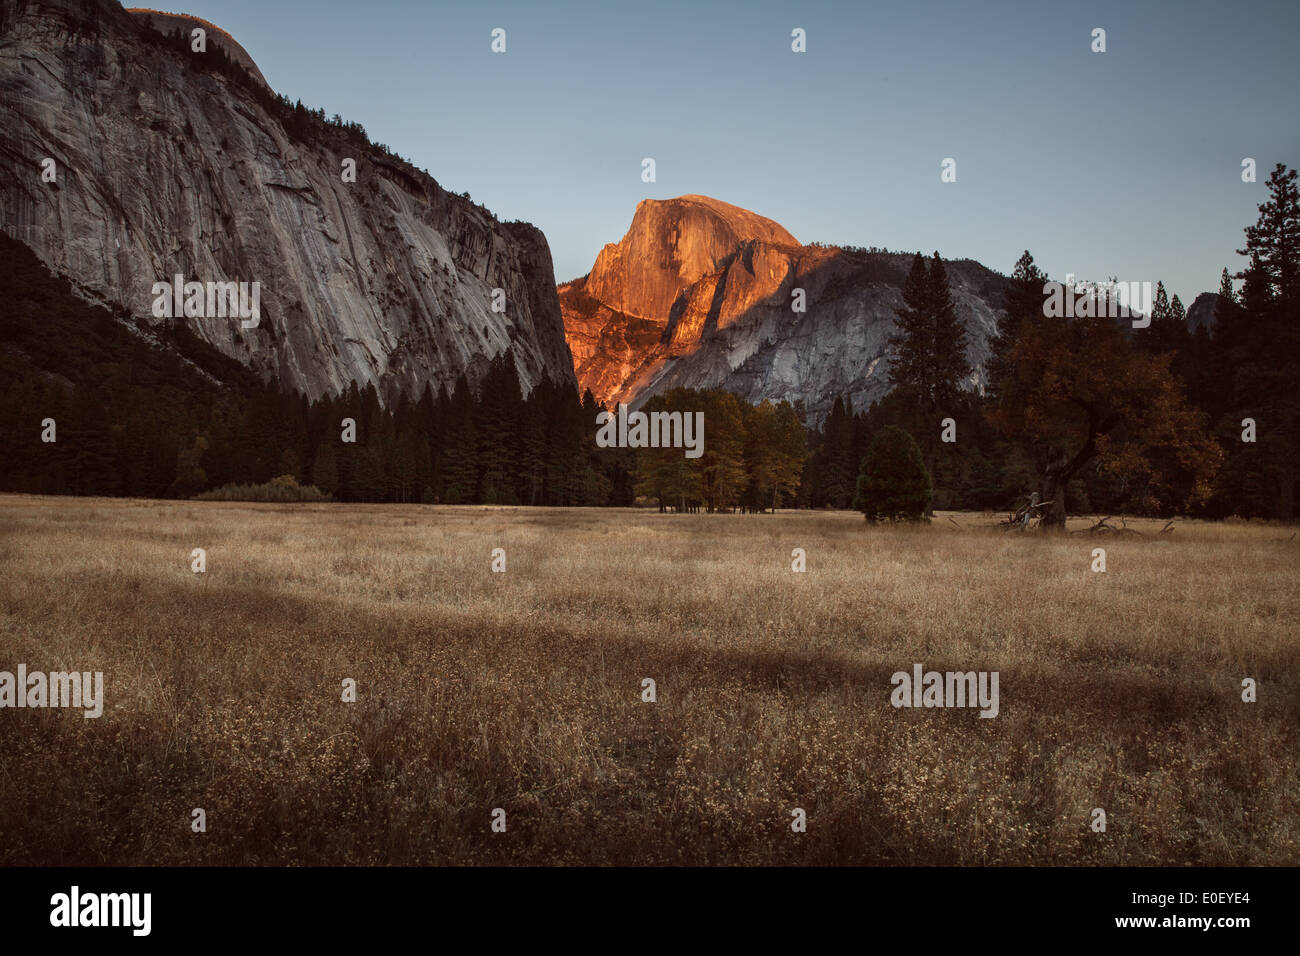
x=165, y=22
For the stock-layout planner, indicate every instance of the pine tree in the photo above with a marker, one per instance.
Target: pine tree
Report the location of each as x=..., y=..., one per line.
x=89, y=436
x=1168, y=329
x=774, y=453
x=947, y=360
x=1178, y=313
x=1273, y=242
x=911, y=341
x=1147, y=339
x=458, y=468
x=1023, y=303
x=500, y=403
x=325, y=469
x=722, y=465
x=1168, y=332
x=190, y=476
x=893, y=483
x=666, y=473
x=840, y=465
x=1265, y=355
x=931, y=352
x=596, y=484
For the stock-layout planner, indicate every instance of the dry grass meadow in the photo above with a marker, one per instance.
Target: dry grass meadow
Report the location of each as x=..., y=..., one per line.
x=522, y=690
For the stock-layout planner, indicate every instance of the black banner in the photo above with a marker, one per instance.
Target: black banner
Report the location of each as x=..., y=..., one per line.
x=148, y=906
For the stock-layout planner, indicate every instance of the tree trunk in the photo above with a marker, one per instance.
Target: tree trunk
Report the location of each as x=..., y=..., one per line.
x=1286, y=504
x=1054, y=491
x=929, y=466
x=1056, y=476
x=1059, y=471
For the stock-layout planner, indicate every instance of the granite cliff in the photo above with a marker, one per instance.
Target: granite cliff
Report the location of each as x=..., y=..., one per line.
x=700, y=293
x=166, y=164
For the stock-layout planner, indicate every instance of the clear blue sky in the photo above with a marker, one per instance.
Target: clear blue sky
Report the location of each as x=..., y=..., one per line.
x=1121, y=163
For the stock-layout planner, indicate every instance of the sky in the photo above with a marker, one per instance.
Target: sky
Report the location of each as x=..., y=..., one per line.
x=1125, y=163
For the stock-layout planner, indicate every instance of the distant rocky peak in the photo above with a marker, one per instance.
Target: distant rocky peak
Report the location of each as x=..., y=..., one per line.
x=671, y=244
x=1201, y=312
x=703, y=294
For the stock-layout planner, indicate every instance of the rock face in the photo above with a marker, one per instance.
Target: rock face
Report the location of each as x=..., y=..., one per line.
x=1201, y=313
x=170, y=22
x=166, y=167
x=669, y=246
x=699, y=294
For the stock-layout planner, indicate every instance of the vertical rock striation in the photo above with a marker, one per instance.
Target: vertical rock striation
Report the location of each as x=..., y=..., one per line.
x=166, y=166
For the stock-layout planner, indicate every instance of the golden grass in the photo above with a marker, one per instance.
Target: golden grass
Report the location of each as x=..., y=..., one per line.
x=522, y=690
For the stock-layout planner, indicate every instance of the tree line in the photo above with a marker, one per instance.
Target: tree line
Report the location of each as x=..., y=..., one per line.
x=752, y=459
x=1088, y=411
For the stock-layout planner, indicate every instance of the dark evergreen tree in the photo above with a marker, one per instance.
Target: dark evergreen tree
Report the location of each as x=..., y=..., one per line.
x=948, y=366
x=893, y=483
x=838, y=456
x=911, y=341
x=458, y=468
x=929, y=364
x=1168, y=333
x=1258, y=337
x=1023, y=303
